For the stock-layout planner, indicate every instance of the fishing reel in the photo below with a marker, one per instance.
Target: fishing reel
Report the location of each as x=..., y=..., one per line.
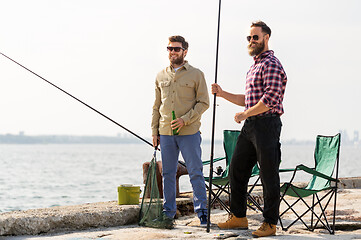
x=219, y=170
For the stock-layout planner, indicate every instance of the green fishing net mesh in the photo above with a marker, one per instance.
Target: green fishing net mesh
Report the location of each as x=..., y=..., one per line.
x=151, y=209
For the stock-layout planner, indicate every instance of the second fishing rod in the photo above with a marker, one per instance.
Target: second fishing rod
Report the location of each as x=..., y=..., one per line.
x=77, y=99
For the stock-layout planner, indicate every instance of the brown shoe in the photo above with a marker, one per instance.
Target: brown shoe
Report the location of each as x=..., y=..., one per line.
x=266, y=229
x=234, y=222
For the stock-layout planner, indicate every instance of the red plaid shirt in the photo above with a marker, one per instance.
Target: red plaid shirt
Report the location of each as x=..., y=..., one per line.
x=266, y=82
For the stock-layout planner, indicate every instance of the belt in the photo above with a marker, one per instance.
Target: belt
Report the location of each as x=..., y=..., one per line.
x=262, y=116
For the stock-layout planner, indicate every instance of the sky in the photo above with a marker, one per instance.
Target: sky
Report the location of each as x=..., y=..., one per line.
x=107, y=53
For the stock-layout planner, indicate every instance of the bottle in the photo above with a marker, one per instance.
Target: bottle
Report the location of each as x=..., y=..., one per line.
x=174, y=118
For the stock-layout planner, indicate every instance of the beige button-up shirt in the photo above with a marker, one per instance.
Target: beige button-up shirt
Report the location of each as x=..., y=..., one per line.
x=184, y=92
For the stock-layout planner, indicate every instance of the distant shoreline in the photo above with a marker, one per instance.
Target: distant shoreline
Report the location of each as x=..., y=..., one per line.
x=66, y=139
x=74, y=139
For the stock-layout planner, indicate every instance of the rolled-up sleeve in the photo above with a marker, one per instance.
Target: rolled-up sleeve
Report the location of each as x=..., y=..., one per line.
x=273, y=76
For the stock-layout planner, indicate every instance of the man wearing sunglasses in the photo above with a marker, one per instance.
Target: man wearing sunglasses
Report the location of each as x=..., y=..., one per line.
x=258, y=142
x=182, y=89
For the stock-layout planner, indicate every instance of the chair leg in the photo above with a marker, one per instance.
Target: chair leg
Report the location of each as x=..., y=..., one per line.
x=290, y=208
x=219, y=192
x=216, y=197
x=258, y=207
x=323, y=209
x=229, y=195
x=313, y=204
x=280, y=215
x=299, y=217
x=310, y=208
x=334, y=211
x=313, y=212
x=254, y=185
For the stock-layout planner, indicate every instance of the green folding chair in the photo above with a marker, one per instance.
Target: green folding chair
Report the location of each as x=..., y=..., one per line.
x=221, y=181
x=326, y=165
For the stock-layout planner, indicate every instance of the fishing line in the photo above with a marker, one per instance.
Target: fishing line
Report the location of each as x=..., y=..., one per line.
x=79, y=100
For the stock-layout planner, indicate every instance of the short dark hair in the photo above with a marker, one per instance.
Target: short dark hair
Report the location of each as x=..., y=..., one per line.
x=180, y=39
x=265, y=28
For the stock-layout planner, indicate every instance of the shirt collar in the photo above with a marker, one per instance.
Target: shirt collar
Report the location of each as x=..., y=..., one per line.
x=186, y=66
x=263, y=55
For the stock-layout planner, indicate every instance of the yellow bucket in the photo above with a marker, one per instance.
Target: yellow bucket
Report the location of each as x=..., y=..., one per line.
x=128, y=194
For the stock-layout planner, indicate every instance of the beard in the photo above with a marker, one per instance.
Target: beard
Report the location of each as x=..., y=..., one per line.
x=177, y=60
x=256, y=50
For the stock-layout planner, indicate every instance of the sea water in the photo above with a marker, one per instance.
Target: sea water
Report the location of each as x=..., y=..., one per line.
x=46, y=175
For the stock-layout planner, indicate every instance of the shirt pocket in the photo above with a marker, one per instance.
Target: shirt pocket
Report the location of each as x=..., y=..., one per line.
x=165, y=89
x=187, y=90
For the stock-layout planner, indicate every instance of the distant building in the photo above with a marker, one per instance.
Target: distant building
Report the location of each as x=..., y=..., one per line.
x=356, y=139
x=347, y=140
x=344, y=137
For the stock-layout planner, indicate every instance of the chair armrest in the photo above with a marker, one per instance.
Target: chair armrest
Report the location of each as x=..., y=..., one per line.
x=214, y=160
x=287, y=169
x=314, y=172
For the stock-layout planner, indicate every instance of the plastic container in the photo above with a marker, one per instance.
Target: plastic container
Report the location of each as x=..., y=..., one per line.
x=128, y=194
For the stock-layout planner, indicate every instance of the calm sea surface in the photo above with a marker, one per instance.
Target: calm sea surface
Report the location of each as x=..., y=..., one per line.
x=45, y=175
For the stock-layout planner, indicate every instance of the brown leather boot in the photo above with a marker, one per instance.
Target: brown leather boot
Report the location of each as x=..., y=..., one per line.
x=234, y=222
x=266, y=229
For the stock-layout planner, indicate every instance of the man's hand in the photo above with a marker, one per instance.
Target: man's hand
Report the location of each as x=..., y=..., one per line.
x=216, y=89
x=239, y=117
x=177, y=123
x=155, y=141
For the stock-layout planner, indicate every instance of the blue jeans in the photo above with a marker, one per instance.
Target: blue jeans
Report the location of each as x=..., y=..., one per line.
x=190, y=147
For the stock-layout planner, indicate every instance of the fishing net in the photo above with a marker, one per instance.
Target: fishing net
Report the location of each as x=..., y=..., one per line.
x=151, y=209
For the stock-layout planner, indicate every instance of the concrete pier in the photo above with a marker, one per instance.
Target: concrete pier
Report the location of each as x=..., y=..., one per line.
x=94, y=216
x=67, y=218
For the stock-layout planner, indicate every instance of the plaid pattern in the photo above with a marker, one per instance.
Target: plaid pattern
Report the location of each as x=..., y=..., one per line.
x=266, y=82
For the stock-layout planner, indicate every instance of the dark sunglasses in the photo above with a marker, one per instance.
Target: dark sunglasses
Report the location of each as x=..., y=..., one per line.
x=255, y=37
x=176, y=49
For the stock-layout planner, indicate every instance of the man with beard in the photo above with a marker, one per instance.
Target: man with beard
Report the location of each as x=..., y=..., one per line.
x=180, y=89
x=258, y=141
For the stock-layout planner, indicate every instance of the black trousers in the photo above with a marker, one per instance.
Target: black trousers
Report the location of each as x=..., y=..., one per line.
x=259, y=141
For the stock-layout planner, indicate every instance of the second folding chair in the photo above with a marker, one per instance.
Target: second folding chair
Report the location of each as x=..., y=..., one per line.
x=324, y=179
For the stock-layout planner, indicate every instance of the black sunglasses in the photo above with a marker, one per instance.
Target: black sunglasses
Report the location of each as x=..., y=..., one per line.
x=255, y=37
x=176, y=49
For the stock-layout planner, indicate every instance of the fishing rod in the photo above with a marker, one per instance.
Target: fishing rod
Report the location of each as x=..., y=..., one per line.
x=213, y=126
x=79, y=100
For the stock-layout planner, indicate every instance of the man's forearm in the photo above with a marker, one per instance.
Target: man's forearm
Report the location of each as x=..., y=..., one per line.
x=238, y=99
x=259, y=108
x=195, y=112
